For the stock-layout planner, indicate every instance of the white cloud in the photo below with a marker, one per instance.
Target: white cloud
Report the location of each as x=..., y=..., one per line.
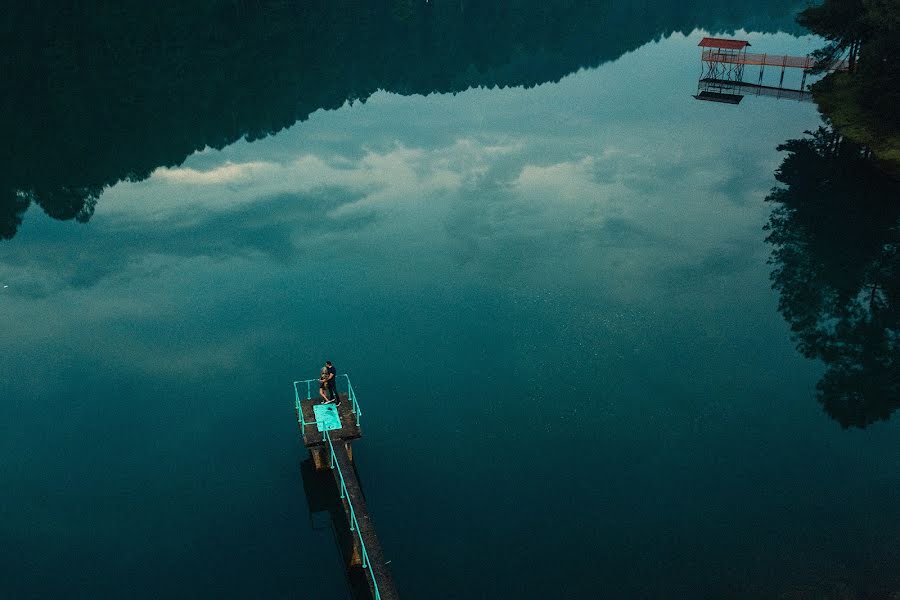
x=382, y=180
x=566, y=180
x=228, y=172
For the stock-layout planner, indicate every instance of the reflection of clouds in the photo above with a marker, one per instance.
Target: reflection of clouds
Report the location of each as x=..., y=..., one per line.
x=565, y=180
x=264, y=228
x=589, y=183
x=186, y=357
x=310, y=200
x=498, y=209
x=133, y=320
x=380, y=180
x=226, y=173
x=720, y=266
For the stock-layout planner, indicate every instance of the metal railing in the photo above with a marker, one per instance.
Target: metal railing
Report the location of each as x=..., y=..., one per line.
x=770, y=60
x=354, y=524
x=354, y=405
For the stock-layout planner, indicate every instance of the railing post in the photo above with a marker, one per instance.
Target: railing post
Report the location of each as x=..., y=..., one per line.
x=350, y=393
x=354, y=405
x=299, y=407
x=330, y=449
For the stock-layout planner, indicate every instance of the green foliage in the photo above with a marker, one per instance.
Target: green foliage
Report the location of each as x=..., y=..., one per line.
x=838, y=98
x=878, y=73
x=842, y=22
x=12, y=208
x=863, y=104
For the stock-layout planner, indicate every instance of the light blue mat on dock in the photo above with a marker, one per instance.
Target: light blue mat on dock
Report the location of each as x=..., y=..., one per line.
x=327, y=417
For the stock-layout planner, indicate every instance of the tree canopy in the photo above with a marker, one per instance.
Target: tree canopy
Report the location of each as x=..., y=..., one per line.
x=862, y=103
x=835, y=232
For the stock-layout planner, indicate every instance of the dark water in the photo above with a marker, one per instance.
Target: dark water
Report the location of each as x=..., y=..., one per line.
x=552, y=291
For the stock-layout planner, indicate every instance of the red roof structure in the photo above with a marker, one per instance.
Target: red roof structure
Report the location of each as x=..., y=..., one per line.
x=709, y=42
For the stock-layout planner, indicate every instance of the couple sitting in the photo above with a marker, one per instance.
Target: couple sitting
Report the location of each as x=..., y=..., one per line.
x=328, y=384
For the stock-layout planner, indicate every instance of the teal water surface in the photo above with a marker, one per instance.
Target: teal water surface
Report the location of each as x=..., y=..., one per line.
x=555, y=305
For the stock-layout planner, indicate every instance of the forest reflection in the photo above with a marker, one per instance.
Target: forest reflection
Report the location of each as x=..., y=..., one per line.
x=94, y=96
x=835, y=233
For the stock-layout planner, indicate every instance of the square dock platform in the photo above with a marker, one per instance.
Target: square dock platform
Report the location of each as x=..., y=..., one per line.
x=347, y=431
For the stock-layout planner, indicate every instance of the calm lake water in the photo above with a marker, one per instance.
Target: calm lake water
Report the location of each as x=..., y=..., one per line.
x=554, y=303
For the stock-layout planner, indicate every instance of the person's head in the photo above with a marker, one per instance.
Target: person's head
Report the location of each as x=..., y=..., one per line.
x=323, y=372
x=328, y=363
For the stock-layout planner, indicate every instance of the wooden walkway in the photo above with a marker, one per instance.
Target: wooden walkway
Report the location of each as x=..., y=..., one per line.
x=334, y=453
x=381, y=573
x=768, y=60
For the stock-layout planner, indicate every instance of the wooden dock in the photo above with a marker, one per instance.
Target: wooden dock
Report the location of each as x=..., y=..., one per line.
x=331, y=451
x=722, y=63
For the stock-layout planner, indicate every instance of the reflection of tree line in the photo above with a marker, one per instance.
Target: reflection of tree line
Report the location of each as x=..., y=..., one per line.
x=835, y=232
x=94, y=96
x=862, y=104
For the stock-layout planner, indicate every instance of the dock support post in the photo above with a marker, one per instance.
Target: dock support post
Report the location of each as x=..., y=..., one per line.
x=320, y=458
x=356, y=553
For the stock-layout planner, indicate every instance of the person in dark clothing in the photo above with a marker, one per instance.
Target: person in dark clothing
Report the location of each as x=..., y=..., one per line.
x=332, y=383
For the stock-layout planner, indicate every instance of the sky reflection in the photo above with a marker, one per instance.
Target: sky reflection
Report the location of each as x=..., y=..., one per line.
x=595, y=242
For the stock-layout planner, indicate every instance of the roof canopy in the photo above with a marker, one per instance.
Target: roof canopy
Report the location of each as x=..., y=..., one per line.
x=709, y=42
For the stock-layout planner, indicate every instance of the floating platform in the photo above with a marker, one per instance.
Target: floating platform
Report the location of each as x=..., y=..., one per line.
x=732, y=92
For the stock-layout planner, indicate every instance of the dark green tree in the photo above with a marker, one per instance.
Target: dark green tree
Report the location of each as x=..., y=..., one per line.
x=862, y=103
x=12, y=208
x=878, y=73
x=843, y=23
x=835, y=232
